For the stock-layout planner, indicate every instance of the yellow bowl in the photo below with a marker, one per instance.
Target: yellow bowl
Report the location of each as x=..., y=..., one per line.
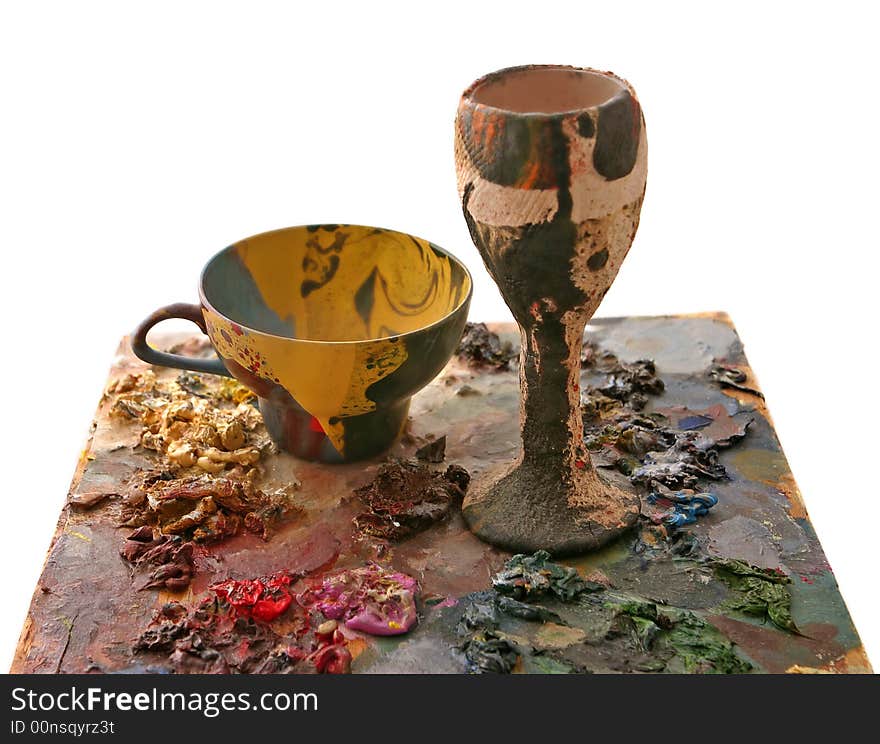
x=333, y=327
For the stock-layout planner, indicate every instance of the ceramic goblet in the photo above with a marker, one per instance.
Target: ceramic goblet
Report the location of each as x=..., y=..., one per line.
x=551, y=165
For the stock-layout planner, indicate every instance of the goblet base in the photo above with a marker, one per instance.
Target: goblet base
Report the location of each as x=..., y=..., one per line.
x=528, y=507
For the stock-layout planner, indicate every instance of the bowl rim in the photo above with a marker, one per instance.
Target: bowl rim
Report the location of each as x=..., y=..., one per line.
x=461, y=304
x=467, y=97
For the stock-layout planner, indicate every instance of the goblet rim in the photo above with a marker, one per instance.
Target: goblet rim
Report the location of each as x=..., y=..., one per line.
x=465, y=300
x=467, y=97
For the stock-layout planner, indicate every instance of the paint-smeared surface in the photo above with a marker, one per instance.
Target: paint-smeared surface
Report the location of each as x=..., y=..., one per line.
x=652, y=601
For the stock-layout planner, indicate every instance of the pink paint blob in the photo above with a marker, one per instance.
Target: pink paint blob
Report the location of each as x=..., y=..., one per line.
x=370, y=599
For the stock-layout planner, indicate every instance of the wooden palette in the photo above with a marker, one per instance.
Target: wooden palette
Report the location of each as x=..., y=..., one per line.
x=87, y=610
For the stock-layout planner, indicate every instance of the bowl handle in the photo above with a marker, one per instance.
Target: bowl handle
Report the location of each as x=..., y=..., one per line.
x=142, y=350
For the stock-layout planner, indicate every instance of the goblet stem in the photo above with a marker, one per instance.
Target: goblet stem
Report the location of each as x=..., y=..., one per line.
x=550, y=390
x=550, y=412
x=551, y=497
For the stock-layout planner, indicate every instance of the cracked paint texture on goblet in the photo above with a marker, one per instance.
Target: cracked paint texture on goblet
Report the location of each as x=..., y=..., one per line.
x=551, y=164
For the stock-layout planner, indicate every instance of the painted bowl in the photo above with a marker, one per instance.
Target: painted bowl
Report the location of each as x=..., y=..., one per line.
x=333, y=327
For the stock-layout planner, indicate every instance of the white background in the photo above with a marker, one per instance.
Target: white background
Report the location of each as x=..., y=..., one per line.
x=136, y=139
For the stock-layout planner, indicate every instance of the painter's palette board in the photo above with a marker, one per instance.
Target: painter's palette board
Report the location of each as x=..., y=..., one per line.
x=87, y=611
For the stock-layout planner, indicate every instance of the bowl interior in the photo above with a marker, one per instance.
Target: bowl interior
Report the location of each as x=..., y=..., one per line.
x=546, y=90
x=335, y=283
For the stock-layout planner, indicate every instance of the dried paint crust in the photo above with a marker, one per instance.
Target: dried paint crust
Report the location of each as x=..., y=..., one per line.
x=647, y=603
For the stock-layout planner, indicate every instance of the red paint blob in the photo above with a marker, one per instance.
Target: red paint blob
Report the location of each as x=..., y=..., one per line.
x=262, y=599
